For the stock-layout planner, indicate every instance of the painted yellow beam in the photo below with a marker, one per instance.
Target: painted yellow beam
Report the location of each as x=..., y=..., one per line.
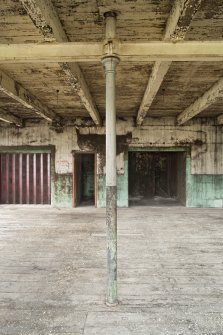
x=172, y=51
x=205, y=51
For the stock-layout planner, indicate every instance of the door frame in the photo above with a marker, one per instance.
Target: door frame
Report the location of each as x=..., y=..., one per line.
x=74, y=188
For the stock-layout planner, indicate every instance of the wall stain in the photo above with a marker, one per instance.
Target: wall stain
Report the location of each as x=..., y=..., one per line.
x=96, y=143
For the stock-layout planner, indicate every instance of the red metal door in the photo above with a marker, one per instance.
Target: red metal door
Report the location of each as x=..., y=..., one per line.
x=25, y=178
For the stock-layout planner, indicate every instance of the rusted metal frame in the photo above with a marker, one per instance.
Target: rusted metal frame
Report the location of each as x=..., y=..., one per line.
x=20, y=178
x=27, y=178
x=41, y=179
x=48, y=178
x=34, y=178
x=13, y=178
x=95, y=180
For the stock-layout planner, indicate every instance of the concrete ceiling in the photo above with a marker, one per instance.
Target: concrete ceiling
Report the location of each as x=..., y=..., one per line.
x=137, y=20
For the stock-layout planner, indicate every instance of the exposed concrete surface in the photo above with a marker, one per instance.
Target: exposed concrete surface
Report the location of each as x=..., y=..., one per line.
x=52, y=271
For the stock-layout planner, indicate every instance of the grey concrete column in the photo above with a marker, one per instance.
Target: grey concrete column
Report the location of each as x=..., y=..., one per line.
x=111, y=185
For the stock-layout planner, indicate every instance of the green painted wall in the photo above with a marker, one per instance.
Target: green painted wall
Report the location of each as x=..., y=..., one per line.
x=122, y=188
x=61, y=193
x=203, y=190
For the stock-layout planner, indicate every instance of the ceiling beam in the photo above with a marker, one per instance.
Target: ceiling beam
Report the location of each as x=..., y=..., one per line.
x=45, y=18
x=9, y=118
x=17, y=92
x=180, y=18
x=204, y=51
x=178, y=24
x=207, y=99
x=77, y=81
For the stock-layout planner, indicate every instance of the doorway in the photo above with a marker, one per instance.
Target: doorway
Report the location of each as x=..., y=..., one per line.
x=157, y=178
x=84, y=179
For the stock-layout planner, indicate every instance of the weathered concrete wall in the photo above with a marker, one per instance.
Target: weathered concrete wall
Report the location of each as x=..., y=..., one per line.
x=41, y=135
x=201, y=137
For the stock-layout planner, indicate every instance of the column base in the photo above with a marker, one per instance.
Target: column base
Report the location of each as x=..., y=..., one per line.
x=108, y=304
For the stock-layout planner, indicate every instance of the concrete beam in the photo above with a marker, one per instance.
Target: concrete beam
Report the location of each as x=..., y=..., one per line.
x=159, y=71
x=207, y=99
x=17, y=92
x=45, y=18
x=204, y=51
x=178, y=24
x=179, y=20
x=9, y=118
x=76, y=79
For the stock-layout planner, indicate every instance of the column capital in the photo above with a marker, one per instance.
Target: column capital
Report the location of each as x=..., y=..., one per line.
x=110, y=62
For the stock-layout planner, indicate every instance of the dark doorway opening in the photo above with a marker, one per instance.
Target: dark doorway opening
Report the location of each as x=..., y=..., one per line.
x=25, y=178
x=84, y=179
x=157, y=178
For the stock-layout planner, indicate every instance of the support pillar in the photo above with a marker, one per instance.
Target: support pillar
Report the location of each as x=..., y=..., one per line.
x=110, y=63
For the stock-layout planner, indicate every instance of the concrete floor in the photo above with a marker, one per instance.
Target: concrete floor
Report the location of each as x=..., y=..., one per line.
x=52, y=272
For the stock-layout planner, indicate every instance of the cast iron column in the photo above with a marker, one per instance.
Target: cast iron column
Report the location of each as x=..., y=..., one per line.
x=110, y=63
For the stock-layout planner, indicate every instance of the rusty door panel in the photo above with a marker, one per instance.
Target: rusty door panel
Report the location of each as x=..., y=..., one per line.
x=25, y=178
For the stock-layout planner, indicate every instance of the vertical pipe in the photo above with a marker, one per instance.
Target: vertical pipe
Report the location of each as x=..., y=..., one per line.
x=20, y=180
x=110, y=29
x=27, y=178
x=13, y=179
x=48, y=179
x=34, y=178
x=111, y=183
x=41, y=177
x=110, y=63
